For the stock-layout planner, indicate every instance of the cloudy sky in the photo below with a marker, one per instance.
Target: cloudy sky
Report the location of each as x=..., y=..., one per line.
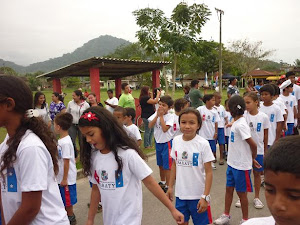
x=34, y=30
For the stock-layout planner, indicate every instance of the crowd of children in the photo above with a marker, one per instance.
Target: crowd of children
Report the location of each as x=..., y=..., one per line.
x=38, y=173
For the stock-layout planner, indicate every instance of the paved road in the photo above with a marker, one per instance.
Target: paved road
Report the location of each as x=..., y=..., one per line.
x=154, y=213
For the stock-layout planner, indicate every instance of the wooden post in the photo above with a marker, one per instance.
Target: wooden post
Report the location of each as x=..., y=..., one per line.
x=56, y=85
x=118, y=87
x=155, y=79
x=95, y=82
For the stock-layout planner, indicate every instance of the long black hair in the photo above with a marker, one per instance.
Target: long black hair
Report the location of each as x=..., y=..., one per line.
x=113, y=133
x=36, y=99
x=15, y=88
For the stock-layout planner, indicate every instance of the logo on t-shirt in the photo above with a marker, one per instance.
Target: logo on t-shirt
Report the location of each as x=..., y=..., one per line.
x=251, y=126
x=203, y=117
x=258, y=129
x=232, y=136
x=184, y=155
x=104, y=175
x=291, y=104
x=272, y=117
x=11, y=180
x=59, y=152
x=174, y=126
x=96, y=177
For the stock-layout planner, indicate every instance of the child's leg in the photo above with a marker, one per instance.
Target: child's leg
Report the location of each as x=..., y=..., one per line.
x=257, y=182
x=203, y=218
x=244, y=204
x=167, y=174
x=228, y=199
x=162, y=173
x=69, y=210
x=221, y=141
x=221, y=147
x=167, y=160
x=159, y=160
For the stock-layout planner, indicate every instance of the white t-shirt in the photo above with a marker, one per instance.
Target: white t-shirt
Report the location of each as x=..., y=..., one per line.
x=112, y=101
x=190, y=157
x=66, y=151
x=296, y=91
x=221, y=111
x=239, y=152
x=176, y=126
x=32, y=171
x=77, y=110
x=133, y=132
x=44, y=113
x=258, y=123
x=275, y=116
x=290, y=102
x=280, y=103
x=260, y=221
x=209, y=118
x=121, y=197
x=159, y=135
x=230, y=119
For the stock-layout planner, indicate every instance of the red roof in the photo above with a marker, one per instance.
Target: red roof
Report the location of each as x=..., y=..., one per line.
x=259, y=73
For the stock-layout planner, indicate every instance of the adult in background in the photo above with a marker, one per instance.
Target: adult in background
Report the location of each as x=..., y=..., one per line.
x=186, y=91
x=93, y=100
x=126, y=99
x=250, y=87
x=232, y=89
x=147, y=103
x=56, y=106
x=296, y=91
x=112, y=102
x=39, y=103
x=76, y=107
x=195, y=94
x=260, y=83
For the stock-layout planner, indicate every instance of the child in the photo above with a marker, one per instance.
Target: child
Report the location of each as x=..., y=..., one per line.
x=28, y=155
x=282, y=172
x=227, y=127
x=273, y=112
x=192, y=170
x=162, y=120
x=210, y=119
x=291, y=105
x=132, y=129
x=241, y=153
x=259, y=125
x=120, y=114
x=67, y=173
x=116, y=167
x=221, y=124
x=179, y=105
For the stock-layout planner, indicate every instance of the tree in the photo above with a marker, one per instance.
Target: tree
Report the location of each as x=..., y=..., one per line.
x=171, y=36
x=297, y=63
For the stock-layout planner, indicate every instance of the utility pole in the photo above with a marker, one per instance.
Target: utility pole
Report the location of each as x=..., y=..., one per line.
x=221, y=12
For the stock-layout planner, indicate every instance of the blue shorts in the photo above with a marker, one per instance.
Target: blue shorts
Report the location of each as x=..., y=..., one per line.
x=163, y=155
x=189, y=208
x=221, y=136
x=239, y=179
x=213, y=145
x=260, y=160
x=68, y=195
x=290, y=129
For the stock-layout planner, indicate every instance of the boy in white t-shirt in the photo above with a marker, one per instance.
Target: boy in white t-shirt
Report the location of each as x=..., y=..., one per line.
x=120, y=114
x=131, y=128
x=179, y=105
x=210, y=119
x=162, y=121
x=221, y=124
x=282, y=183
x=67, y=174
x=291, y=105
x=112, y=102
x=273, y=112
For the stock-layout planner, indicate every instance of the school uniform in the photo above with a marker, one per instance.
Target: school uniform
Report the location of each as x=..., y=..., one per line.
x=176, y=126
x=227, y=129
x=221, y=124
x=290, y=102
x=133, y=132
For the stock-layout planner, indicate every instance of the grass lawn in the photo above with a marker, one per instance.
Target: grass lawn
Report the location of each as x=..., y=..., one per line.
x=178, y=94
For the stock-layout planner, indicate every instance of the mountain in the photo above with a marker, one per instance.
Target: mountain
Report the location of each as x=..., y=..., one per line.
x=100, y=46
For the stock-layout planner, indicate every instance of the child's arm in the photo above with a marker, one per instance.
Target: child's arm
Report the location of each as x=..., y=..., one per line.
x=152, y=122
x=278, y=130
x=253, y=148
x=284, y=127
x=156, y=190
x=216, y=131
x=163, y=124
x=295, y=112
x=202, y=204
x=29, y=208
x=266, y=136
x=64, y=181
x=94, y=202
x=172, y=181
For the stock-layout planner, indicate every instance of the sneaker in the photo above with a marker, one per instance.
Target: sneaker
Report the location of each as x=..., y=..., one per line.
x=238, y=204
x=72, y=219
x=165, y=188
x=257, y=203
x=242, y=221
x=213, y=166
x=99, y=208
x=222, y=220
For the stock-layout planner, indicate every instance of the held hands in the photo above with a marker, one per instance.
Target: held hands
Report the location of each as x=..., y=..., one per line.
x=202, y=205
x=178, y=216
x=256, y=164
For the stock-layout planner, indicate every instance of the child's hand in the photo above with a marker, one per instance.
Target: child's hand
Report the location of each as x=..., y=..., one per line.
x=160, y=111
x=215, y=136
x=228, y=125
x=285, y=127
x=64, y=183
x=202, y=205
x=256, y=164
x=178, y=216
x=170, y=194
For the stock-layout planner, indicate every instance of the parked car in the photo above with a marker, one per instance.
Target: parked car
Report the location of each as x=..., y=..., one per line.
x=177, y=85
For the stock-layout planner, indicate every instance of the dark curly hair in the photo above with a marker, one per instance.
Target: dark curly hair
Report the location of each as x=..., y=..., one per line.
x=113, y=133
x=236, y=105
x=36, y=99
x=15, y=88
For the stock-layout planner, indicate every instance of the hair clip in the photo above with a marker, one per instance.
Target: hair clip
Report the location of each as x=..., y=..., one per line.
x=32, y=113
x=89, y=116
x=239, y=107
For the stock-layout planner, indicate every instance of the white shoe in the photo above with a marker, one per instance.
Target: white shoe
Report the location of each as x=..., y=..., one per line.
x=213, y=166
x=238, y=204
x=242, y=221
x=222, y=220
x=257, y=203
